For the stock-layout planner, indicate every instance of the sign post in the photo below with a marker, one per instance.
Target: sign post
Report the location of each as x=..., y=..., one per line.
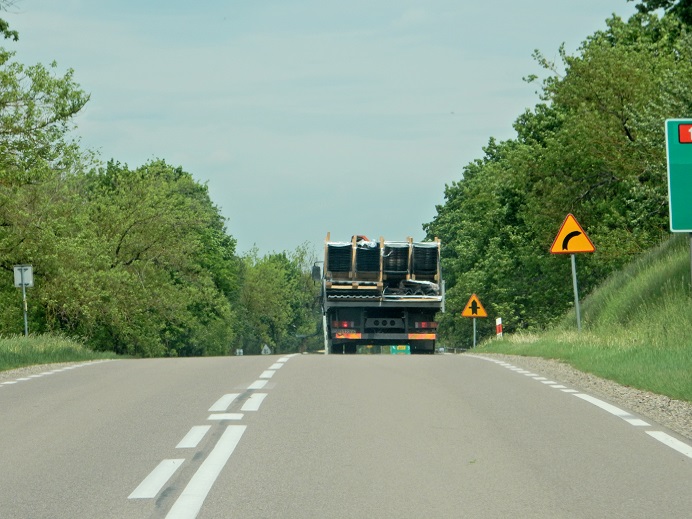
x=571, y=239
x=24, y=277
x=679, y=155
x=474, y=309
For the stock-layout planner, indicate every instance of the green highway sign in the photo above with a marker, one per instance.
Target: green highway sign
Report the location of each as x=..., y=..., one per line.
x=679, y=151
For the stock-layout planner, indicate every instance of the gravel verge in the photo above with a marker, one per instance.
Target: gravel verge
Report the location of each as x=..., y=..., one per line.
x=676, y=415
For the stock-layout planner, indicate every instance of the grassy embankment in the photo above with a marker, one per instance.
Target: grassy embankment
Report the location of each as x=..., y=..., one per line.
x=19, y=351
x=636, y=327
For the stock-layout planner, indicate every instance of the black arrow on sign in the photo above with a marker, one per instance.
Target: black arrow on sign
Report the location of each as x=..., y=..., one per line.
x=474, y=307
x=565, y=242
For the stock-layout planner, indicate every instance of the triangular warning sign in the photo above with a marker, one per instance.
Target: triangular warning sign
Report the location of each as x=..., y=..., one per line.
x=474, y=308
x=571, y=238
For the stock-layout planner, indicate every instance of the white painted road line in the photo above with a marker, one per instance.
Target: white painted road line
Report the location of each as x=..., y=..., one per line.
x=254, y=402
x=671, y=442
x=612, y=410
x=191, y=500
x=193, y=437
x=226, y=416
x=258, y=384
x=276, y=365
x=267, y=374
x=9, y=382
x=283, y=359
x=155, y=481
x=223, y=402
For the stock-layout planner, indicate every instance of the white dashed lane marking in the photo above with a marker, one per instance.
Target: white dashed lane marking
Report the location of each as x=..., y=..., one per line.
x=226, y=416
x=258, y=384
x=253, y=403
x=613, y=410
x=46, y=373
x=664, y=438
x=223, y=402
x=191, y=500
x=671, y=442
x=156, y=479
x=193, y=438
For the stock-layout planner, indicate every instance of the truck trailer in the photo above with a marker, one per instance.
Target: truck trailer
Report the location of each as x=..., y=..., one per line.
x=380, y=296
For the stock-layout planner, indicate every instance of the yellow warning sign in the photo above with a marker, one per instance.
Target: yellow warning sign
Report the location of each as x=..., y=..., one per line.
x=474, y=308
x=571, y=238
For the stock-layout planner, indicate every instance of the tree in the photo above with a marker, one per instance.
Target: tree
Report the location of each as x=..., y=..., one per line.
x=593, y=147
x=682, y=9
x=5, y=30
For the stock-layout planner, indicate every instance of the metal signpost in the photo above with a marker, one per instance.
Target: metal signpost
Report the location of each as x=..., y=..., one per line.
x=571, y=239
x=679, y=154
x=24, y=277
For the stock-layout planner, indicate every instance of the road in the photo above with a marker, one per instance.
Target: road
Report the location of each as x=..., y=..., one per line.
x=310, y=436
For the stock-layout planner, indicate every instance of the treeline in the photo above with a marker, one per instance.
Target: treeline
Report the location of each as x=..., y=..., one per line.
x=136, y=261
x=595, y=147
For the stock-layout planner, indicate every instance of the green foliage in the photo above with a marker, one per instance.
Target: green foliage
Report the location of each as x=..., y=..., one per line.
x=593, y=148
x=18, y=351
x=682, y=9
x=279, y=302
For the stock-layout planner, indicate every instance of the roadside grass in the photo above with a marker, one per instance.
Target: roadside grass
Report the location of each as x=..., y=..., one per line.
x=636, y=327
x=18, y=351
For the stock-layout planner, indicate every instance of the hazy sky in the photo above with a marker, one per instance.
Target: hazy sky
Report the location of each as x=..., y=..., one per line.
x=305, y=116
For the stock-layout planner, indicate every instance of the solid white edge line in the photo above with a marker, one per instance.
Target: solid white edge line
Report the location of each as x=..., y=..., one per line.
x=156, y=479
x=226, y=416
x=222, y=403
x=188, y=505
x=267, y=374
x=671, y=442
x=258, y=384
x=254, y=402
x=193, y=437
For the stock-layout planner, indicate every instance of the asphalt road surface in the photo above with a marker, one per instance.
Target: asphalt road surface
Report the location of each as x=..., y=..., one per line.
x=310, y=436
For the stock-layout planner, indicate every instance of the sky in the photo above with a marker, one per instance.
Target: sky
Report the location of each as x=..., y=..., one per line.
x=305, y=117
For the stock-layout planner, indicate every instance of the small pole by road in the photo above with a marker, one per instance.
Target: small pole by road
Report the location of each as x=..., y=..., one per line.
x=576, y=291
x=24, y=277
x=474, y=332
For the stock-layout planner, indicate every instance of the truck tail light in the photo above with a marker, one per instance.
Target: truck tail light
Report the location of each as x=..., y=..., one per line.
x=343, y=324
x=426, y=325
